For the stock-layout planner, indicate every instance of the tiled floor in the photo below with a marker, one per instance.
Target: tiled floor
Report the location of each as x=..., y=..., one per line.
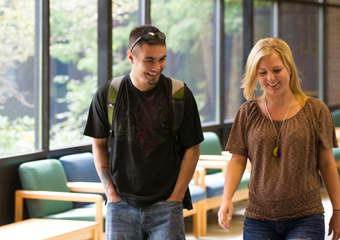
x=214, y=231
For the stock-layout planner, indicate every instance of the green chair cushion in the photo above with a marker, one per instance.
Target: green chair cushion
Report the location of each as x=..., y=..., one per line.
x=79, y=214
x=211, y=144
x=44, y=175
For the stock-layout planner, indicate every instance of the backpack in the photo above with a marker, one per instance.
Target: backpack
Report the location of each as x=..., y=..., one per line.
x=177, y=89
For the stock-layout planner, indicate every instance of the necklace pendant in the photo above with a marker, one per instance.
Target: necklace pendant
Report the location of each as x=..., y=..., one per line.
x=277, y=152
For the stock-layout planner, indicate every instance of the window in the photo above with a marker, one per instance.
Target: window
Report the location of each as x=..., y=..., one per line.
x=193, y=51
x=333, y=53
x=124, y=18
x=19, y=76
x=264, y=26
x=299, y=27
x=263, y=20
x=333, y=1
x=233, y=50
x=189, y=28
x=73, y=69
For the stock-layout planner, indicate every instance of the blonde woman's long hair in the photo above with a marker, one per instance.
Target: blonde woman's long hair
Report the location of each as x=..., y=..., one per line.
x=265, y=47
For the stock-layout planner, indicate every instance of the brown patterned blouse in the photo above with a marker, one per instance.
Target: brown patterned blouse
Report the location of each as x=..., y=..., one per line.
x=287, y=187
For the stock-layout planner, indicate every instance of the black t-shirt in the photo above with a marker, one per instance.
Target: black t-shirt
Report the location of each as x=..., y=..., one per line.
x=145, y=158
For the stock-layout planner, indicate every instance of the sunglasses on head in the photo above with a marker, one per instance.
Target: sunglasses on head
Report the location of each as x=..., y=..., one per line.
x=149, y=36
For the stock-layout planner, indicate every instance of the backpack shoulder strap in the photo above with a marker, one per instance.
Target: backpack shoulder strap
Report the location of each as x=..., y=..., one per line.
x=177, y=105
x=177, y=89
x=113, y=91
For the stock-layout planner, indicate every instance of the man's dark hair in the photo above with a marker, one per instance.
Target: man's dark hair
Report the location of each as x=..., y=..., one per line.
x=144, y=29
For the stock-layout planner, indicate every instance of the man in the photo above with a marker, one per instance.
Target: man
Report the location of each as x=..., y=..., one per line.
x=147, y=172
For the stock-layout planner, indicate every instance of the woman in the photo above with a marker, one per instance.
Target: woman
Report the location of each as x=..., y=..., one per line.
x=288, y=138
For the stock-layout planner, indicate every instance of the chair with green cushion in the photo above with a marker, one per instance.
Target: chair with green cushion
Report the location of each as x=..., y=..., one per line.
x=48, y=176
x=211, y=145
x=214, y=179
x=336, y=118
x=79, y=167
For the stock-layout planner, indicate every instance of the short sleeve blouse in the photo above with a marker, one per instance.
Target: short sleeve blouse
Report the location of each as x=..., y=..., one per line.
x=286, y=187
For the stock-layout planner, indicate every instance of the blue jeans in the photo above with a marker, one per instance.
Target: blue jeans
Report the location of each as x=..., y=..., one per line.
x=305, y=227
x=162, y=220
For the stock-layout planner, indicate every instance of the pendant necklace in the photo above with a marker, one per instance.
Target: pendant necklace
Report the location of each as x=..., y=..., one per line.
x=277, y=152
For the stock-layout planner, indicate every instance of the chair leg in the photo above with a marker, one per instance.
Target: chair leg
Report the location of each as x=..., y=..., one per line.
x=203, y=212
x=196, y=221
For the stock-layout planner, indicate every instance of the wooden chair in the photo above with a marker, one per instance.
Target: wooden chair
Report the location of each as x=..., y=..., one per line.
x=198, y=196
x=82, y=177
x=79, y=167
x=45, y=188
x=216, y=166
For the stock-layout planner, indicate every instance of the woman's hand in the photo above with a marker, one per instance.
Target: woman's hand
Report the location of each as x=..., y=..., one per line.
x=225, y=214
x=334, y=225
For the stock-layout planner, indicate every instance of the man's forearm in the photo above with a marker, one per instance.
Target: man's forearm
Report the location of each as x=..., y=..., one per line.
x=186, y=172
x=101, y=161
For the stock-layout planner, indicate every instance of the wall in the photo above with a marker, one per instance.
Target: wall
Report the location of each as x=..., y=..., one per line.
x=9, y=182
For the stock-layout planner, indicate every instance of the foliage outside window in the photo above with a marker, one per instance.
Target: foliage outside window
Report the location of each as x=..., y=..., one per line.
x=73, y=69
x=191, y=57
x=233, y=52
x=189, y=27
x=18, y=96
x=124, y=19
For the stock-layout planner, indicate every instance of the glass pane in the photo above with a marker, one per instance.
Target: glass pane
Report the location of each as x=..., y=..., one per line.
x=299, y=28
x=124, y=18
x=73, y=49
x=263, y=26
x=262, y=20
x=333, y=53
x=233, y=34
x=19, y=80
x=188, y=26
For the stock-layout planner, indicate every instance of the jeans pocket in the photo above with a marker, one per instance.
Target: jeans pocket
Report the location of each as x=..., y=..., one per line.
x=115, y=203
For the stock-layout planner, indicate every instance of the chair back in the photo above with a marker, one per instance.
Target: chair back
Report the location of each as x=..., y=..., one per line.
x=44, y=175
x=336, y=118
x=80, y=167
x=211, y=144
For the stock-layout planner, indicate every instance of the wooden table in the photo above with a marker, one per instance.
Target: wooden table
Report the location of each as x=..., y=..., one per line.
x=51, y=229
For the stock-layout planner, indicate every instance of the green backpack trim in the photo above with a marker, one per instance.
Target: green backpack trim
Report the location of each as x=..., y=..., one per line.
x=176, y=108
x=112, y=98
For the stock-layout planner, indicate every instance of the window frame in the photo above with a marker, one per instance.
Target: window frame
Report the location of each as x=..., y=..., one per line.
x=222, y=126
